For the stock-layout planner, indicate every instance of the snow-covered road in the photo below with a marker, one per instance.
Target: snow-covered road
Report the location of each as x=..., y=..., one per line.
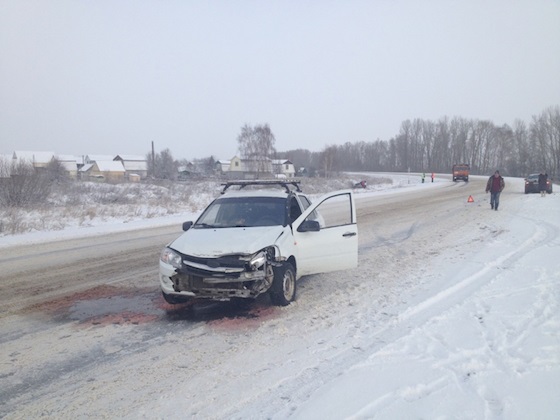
x=452, y=313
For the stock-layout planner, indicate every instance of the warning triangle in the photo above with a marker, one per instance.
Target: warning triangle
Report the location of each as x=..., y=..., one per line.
x=470, y=200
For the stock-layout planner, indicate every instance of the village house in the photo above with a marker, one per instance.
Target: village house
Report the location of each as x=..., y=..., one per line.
x=283, y=168
x=222, y=166
x=238, y=168
x=69, y=163
x=135, y=166
x=248, y=168
x=109, y=168
x=39, y=160
x=103, y=170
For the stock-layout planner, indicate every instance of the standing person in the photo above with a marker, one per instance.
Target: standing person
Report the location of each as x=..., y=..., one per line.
x=423, y=176
x=542, y=184
x=495, y=186
x=433, y=176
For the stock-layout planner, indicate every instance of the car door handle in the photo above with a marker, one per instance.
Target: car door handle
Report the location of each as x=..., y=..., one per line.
x=348, y=234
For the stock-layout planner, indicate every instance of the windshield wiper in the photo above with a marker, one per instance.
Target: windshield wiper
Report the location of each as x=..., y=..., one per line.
x=205, y=225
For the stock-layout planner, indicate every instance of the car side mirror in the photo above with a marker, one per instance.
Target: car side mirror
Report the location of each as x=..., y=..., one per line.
x=187, y=226
x=309, y=226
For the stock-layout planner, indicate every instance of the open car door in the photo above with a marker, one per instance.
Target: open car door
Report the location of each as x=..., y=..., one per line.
x=326, y=235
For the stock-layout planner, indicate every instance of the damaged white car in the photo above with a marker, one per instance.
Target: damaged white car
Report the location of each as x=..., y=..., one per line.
x=253, y=241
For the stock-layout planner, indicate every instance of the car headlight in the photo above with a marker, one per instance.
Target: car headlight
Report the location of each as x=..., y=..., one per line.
x=171, y=257
x=258, y=260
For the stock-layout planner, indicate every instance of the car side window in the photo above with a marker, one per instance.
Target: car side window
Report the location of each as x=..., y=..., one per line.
x=295, y=209
x=334, y=211
x=305, y=202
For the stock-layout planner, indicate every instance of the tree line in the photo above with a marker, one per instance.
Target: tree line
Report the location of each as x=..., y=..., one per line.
x=420, y=146
x=434, y=146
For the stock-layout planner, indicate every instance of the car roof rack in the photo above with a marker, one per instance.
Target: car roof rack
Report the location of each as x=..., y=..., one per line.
x=268, y=182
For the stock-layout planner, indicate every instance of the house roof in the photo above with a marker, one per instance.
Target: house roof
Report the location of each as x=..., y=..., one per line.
x=66, y=158
x=68, y=162
x=134, y=165
x=86, y=167
x=281, y=161
x=131, y=157
x=33, y=156
x=109, y=166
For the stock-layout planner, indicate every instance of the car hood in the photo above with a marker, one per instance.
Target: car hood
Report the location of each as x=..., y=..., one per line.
x=210, y=243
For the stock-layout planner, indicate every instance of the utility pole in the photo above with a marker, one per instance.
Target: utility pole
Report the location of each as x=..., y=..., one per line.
x=153, y=161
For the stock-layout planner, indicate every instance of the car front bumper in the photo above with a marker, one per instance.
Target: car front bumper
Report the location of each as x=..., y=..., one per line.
x=214, y=286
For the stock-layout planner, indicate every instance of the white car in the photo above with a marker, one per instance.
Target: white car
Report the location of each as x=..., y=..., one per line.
x=248, y=242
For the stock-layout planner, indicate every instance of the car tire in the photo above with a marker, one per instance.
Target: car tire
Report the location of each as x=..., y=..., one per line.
x=174, y=300
x=283, y=290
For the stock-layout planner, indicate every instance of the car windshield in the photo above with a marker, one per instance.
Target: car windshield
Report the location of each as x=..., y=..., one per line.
x=243, y=212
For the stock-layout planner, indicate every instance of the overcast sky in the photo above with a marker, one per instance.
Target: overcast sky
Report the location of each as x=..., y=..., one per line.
x=110, y=77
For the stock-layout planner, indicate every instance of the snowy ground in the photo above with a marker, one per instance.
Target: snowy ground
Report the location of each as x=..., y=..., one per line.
x=494, y=353
x=472, y=331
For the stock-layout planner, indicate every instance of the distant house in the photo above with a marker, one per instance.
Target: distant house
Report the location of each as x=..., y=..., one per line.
x=283, y=167
x=236, y=167
x=222, y=166
x=186, y=171
x=39, y=160
x=133, y=165
x=249, y=168
x=70, y=163
x=110, y=171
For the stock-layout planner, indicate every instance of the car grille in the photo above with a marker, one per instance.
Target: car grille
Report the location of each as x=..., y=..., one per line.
x=229, y=267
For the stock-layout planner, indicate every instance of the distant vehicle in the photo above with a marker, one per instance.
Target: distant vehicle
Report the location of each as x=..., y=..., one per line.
x=461, y=171
x=252, y=241
x=532, y=184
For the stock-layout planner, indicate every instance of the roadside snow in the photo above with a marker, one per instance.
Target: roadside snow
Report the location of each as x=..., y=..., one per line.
x=60, y=224
x=494, y=353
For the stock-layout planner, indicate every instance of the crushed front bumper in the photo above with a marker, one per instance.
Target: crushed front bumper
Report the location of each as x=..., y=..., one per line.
x=216, y=279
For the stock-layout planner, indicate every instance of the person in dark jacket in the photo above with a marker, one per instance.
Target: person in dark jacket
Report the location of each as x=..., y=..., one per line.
x=495, y=186
x=542, y=184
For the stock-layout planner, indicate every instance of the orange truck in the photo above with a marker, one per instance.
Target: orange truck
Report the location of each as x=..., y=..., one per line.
x=461, y=171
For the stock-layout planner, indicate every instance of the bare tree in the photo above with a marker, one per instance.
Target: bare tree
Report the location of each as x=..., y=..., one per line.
x=256, y=145
x=163, y=166
x=25, y=186
x=328, y=160
x=545, y=133
x=56, y=172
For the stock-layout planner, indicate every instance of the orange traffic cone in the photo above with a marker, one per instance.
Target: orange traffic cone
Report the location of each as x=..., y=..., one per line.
x=470, y=200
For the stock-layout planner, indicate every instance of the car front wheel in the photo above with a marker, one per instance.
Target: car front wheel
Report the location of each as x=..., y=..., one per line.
x=283, y=289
